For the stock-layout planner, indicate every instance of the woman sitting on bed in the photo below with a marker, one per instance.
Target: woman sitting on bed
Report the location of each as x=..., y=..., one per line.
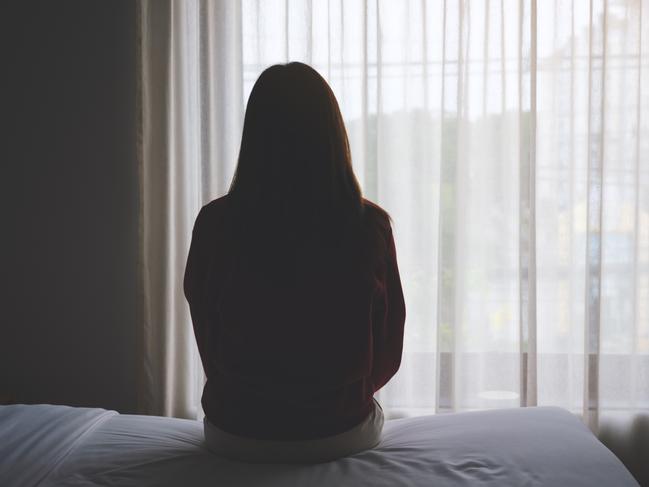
x=293, y=286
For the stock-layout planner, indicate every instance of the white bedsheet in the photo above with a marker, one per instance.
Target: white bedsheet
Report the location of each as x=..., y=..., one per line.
x=58, y=445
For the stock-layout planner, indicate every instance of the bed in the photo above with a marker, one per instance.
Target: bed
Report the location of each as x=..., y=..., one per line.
x=48, y=445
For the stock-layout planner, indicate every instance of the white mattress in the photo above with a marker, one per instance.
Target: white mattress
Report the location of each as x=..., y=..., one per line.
x=58, y=445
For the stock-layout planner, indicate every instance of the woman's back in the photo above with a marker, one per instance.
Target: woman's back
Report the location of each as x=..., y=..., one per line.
x=295, y=346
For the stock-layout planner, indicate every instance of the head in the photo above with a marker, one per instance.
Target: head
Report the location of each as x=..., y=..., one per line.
x=294, y=159
x=296, y=204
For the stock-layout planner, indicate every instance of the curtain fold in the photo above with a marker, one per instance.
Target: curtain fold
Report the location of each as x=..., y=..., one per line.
x=508, y=139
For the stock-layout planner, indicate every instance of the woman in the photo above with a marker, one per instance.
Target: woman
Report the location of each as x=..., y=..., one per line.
x=293, y=286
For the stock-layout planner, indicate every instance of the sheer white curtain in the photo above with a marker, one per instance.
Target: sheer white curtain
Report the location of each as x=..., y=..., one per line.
x=509, y=140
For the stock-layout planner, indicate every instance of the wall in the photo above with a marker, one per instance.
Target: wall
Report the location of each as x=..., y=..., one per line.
x=69, y=204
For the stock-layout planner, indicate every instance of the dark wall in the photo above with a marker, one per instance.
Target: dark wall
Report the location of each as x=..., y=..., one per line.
x=69, y=204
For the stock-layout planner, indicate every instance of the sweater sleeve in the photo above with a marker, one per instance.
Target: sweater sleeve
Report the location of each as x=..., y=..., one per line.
x=195, y=281
x=388, y=319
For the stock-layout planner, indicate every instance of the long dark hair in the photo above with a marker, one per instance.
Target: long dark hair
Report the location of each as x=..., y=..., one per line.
x=294, y=185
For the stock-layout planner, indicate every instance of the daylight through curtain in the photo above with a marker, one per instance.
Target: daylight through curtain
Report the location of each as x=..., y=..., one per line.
x=509, y=140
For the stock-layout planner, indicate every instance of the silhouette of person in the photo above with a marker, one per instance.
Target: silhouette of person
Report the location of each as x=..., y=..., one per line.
x=293, y=286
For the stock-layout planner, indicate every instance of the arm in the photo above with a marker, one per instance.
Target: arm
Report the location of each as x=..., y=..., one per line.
x=388, y=318
x=192, y=280
x=194, y=283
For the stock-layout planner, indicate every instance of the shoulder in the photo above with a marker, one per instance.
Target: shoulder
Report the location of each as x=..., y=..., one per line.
x=376, y=216
x=216, y=206
x=213, y=209
x=211, y=213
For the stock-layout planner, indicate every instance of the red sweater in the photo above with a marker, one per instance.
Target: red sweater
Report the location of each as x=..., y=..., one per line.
x=289, y=363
